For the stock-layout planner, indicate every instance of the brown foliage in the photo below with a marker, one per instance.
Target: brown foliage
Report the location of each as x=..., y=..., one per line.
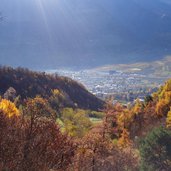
x=39, y=107
x=33, y=146
x=96, y=153
x=130, y=121
x=112, y=112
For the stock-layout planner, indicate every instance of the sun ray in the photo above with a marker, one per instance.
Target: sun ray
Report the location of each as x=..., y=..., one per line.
x=41, y=7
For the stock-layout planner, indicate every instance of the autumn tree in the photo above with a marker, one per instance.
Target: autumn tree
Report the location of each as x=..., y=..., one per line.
x=59, y=100
x=112, y=112
x=162, y=107
x=124, y=140
x=8, y=108
x=168, y=119
x=120, y=119
x=32, y=142
x=39, y=107
x=137, y=119
x=96, y=153
x=76, y=122
x=10, y=141
x=164, y=99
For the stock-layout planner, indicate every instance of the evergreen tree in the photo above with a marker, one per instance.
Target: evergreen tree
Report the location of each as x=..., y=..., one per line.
x=155, y=150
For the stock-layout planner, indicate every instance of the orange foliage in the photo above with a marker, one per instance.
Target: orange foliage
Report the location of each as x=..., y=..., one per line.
x=124, y=140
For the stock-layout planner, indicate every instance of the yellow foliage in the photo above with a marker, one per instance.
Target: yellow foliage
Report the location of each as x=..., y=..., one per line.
x=9, y=108
x=56, y=92
x=162, y=107
x=165, y=91
x=138, y=107
x=124, y=140
x=76, y=122
x=164, y=100
x=168, y=85
x=168, y=96
x=168, y=120
x=124, y=119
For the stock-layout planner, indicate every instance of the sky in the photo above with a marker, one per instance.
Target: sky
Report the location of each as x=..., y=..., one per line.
x=83, y=33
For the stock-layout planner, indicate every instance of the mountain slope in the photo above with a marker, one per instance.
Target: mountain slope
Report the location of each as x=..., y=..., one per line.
x=159, y=68
x=48, y=34
x=29, y=84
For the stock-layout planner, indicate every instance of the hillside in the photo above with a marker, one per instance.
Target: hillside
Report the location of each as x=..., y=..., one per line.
x=159, y=68
x=50, y=34
x=133, y=137
x=28, y=84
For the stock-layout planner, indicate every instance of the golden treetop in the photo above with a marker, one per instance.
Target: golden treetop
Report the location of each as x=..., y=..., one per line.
x=9, y=108
x=168, y=119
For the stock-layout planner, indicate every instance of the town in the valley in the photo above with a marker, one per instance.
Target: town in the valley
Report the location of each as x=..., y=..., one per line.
x=120, y=86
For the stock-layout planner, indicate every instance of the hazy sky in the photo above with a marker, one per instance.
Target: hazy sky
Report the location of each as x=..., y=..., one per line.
x=83, y=33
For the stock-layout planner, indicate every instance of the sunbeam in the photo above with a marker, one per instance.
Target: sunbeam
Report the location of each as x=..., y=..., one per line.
x=41, y=7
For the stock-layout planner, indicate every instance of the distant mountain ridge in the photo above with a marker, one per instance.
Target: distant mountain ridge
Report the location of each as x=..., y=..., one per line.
x=159, y=68
x=50, y=34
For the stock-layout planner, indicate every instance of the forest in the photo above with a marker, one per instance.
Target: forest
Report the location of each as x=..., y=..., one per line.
x=28, y=84
x=52, y=123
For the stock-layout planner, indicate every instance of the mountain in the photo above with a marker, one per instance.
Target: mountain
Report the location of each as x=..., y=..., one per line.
x=43, y=34
x=158, y=68
x=29, y=84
